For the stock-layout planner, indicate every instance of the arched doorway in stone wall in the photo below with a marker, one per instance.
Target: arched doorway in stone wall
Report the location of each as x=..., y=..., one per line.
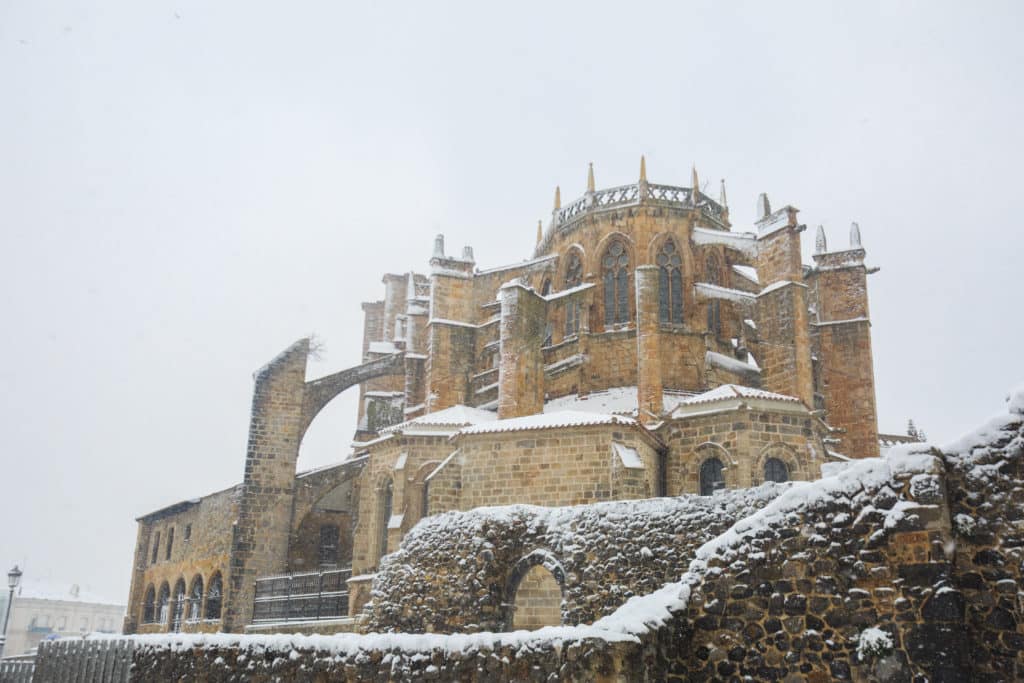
x=534, y=591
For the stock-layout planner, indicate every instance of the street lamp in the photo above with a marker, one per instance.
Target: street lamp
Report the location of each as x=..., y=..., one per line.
x=13, y=579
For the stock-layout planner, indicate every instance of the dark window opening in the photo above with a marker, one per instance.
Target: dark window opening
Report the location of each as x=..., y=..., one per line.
x=329, y=535
x=170, y=542
x=213, y=597
x=188, y=532
x=573, y=278
x=712, y=476
x=195, y=599
x=775, y=470
x=385, y=517
x=156, y=547
x=149, y=606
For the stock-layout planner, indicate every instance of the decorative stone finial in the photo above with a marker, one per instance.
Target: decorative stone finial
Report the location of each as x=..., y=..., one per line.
x=643, y=169
x=540, y=233
x=721, y=196
x=854, y=236
x=820, y=245
x=439, y=246
x=590, y=177
x=558, y=198
x=467, y=253
x=764, y=209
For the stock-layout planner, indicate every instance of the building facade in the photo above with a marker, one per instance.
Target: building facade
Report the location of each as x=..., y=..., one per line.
x=44, y=612
x=644, y=349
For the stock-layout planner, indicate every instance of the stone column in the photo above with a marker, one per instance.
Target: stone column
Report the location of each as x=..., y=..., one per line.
x=259, y=545
x=648, y=351
x=521, y=362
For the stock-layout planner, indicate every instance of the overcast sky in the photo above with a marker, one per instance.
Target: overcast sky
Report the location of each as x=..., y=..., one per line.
x=188, y=187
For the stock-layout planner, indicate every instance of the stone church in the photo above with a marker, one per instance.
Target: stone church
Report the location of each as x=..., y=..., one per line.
x=645, y=349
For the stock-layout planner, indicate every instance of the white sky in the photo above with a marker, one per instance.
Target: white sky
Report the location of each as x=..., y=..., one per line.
x=188, y=187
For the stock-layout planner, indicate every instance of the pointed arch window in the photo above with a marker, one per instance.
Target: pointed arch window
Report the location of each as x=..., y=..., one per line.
x=670, y=284
x=615, y=272
x=573, y=278
x=712, y=476
x=713, y=275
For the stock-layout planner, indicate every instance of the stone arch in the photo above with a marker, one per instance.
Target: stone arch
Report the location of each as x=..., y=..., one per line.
x=163, y=604
x=323, y=499
x=779, y=451
x=420, y=502
x=534, y=591
x=149, y=606
x=180, y=596
x=214, y=597
x=195, y=599
x=706, y=453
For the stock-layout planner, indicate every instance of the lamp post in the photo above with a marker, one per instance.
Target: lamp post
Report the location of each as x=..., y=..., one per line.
x=13, y=578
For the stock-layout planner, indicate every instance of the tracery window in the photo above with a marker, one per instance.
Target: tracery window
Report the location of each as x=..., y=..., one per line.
x=712, y=476
x=195, y=599
x=573, y=278
x=163, y=603
x=148, y=606
x=179, y=605
x=713, y=275
x=386, y=501
x=670, y=284
x=615, y=267
x=775, y=470
x=329, y=535
x=214, y=595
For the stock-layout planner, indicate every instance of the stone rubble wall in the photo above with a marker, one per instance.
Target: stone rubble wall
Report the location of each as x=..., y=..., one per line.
x=453, y=571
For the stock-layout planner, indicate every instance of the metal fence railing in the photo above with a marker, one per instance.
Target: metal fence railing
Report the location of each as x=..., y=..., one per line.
x=88, y=660
x=17, y=669
x=311, y=596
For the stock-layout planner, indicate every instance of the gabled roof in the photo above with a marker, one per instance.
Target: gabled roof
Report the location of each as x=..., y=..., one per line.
x=731, y=392
x=456, y=416
x=564, y=418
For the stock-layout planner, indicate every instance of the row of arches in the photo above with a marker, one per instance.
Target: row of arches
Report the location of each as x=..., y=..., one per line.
x=614, y=271
x=171, y=609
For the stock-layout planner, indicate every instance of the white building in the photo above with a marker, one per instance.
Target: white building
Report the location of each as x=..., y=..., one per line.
x=42, y=611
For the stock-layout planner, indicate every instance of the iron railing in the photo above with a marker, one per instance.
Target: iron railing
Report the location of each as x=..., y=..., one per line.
x=311, y=596
x=629, y=195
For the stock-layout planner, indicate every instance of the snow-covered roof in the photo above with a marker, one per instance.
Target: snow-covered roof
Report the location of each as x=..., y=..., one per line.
x=617, y=400
x=456, y=416
x=564, y=418
x=749, y=272
x=731, y=392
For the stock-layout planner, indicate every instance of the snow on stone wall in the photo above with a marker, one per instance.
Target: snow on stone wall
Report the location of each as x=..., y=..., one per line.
x=458, y=571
